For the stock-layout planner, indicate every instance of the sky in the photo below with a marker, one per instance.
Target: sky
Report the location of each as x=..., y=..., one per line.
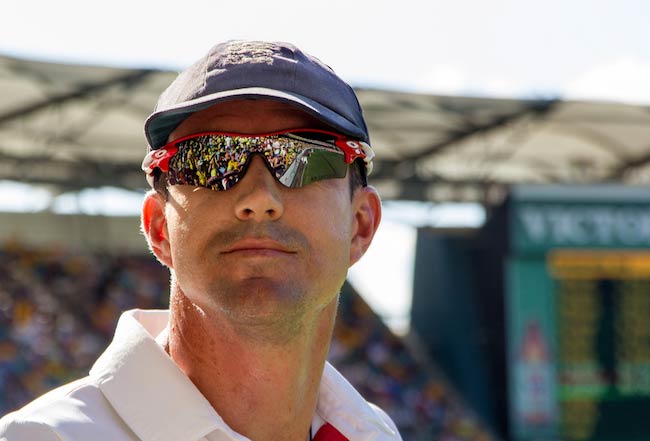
x=572, y=49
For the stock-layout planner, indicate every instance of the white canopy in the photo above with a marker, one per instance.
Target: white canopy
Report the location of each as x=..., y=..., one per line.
x=72, y=127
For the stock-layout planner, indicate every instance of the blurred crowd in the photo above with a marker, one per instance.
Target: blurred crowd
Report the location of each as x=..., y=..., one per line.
x=58, y=310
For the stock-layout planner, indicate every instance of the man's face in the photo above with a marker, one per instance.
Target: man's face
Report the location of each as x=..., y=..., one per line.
x=260, y=253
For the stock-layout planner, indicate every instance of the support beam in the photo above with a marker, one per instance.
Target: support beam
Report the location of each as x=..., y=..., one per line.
x=129, y=80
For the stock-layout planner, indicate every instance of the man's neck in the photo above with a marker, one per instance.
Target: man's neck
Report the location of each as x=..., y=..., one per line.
x=263, y=390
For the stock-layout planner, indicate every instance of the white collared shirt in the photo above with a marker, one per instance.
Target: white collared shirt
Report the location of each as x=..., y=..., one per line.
x=136, y=392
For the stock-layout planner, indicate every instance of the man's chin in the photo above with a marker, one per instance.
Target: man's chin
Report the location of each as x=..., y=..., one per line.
x=267, y=322
x=260, y=301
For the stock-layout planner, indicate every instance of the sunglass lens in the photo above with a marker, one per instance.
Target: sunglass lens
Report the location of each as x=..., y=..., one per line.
x=314, y=165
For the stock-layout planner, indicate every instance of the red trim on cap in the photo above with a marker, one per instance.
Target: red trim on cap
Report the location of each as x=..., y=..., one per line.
x=327, y=432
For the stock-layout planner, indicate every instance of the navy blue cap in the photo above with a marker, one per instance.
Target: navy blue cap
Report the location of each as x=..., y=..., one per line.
x=256, y=69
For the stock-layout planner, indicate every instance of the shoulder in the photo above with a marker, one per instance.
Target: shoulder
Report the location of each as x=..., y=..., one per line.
x=15, y=429
x=36, y=419
x=70, y=412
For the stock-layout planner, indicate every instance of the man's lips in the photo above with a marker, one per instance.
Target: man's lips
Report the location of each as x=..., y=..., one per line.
x=258, y=246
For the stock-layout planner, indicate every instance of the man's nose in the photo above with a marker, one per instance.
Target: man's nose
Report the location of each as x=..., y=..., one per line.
x=258, y=193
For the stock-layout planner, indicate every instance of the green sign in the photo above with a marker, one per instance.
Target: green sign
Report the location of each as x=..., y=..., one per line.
x=542, y=226
x=531, y=351
x=543, y=218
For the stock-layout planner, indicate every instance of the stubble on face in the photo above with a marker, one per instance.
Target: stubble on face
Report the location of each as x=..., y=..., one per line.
x=258, y=291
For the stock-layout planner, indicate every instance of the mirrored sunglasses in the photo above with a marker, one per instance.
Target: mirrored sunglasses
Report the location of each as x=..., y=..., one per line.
x=218, y=160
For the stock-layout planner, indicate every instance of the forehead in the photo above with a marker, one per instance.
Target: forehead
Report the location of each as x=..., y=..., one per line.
x=246, y=116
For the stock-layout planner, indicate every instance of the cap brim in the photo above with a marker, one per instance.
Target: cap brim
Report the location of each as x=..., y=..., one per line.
x=163, y=121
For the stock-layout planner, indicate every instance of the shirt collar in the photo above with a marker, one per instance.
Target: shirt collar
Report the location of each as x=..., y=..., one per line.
x=341, y=405
x=158, y=402
x=148, y=390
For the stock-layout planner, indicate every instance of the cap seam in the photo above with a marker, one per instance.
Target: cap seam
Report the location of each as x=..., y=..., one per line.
x=295, y=70
x=205, y=74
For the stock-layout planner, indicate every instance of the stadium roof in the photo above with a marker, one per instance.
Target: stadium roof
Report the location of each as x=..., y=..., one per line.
x=72, y=127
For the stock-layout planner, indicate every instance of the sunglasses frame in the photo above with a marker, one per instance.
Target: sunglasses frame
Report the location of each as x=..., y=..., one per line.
x=352, y=149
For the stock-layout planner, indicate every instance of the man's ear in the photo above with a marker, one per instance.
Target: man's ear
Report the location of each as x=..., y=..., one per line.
x=366, y=207
x=154, y=227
